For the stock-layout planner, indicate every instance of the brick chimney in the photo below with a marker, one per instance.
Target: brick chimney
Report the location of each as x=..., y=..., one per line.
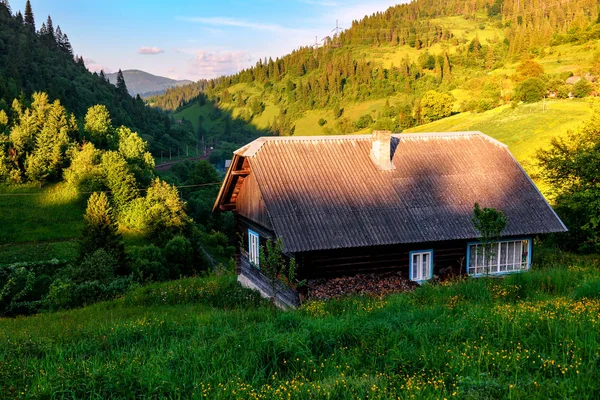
x=381, y=150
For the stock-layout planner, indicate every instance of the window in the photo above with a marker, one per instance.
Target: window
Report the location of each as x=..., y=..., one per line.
x=506, y=256
x=421, y=265
x=253, y=248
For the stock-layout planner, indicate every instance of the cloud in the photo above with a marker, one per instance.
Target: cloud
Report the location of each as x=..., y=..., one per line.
x=208, y=64
x=232, y=22
x=150, y=50
x=93, y=66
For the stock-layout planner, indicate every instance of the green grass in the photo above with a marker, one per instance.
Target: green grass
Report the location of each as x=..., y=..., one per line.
x=524, y=129
x=66, y=250
x=29, y=214
x=532, y=335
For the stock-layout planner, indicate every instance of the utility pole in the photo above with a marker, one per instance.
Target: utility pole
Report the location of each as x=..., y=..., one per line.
x=187, y=151
x=169, y=154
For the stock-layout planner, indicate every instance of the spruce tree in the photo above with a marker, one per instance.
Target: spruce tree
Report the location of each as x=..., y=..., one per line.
x=121, y=85
x=6, y=4
x=100, y=230
x=29, y=19
x=50, y=28
x=66, y=44
x=58, y=36
x=19, y=17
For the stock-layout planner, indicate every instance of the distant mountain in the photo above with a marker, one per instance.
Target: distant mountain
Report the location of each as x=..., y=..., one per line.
x=145, y=84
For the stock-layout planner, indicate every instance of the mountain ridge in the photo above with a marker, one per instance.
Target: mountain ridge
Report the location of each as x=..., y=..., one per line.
x=146, y=84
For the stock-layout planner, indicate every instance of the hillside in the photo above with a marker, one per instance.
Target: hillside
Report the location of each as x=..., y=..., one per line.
x=145, y=84
x=526, y=336
x=42, y=60
x=376, y=74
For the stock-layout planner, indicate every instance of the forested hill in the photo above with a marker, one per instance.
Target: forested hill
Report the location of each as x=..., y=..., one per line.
x=41, y=60
x=405, y=66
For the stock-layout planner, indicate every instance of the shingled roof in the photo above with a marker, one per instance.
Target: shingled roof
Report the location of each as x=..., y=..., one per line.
x=327, y=192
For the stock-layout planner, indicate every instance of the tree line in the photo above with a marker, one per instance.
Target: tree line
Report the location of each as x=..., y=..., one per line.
x=42, y=60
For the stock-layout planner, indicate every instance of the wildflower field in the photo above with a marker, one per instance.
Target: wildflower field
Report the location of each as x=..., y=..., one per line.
x=533, y=335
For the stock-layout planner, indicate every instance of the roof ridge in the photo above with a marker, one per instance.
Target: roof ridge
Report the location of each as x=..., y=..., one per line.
x=253, y=147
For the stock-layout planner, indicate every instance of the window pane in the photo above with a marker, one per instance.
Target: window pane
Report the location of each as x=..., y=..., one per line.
x=472, y=258
x=511, y=256
x=415, y=267
x=525, y=253
x=425, y=270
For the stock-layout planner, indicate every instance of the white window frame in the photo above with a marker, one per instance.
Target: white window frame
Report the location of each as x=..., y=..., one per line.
x=500, y=264
x=420, y=254
x=254, y=248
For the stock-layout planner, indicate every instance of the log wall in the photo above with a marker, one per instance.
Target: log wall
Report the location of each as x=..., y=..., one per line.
x=448, y=257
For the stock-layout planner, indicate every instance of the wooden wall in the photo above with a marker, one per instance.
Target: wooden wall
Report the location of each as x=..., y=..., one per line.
x=448, y=257
x=250, y=203
x=254, y=278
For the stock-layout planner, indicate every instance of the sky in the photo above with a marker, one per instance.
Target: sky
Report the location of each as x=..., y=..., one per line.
x=194, y=39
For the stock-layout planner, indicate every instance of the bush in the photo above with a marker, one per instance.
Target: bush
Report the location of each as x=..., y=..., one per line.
x=582, y=88
x=322, y=121
x=531, y=90
x=65, y=294
x=99, y=266
x=149, y=264
x=436, y=106
x=364, y=122
x=563, y=91
x=179, y=256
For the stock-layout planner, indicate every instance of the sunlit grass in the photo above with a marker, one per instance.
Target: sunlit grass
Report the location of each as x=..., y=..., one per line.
x=524, y=129
x=29, y=214
x=532, y=335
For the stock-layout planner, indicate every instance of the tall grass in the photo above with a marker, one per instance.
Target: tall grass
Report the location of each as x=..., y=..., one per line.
x=533, y=335
x=31, y=215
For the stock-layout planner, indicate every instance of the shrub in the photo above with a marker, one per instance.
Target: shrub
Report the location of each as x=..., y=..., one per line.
x=179, y=256
x=149, y=264
x=582, y=88
x=99, y=266
x=322, y=121
x=563, y=91
x=364, y=121
x=436, y=105
x=531, y=90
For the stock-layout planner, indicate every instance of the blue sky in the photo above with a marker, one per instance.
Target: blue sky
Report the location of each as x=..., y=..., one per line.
x=193, y=39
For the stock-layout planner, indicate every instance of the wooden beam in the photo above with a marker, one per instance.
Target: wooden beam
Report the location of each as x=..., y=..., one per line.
x=241, y=172
x=227, y=207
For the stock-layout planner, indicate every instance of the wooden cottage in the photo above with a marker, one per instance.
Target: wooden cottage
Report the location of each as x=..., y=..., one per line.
x=383, y=202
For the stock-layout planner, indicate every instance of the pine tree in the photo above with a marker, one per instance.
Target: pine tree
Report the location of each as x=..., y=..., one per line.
x=58, y=36
x=489, y=57
x=66, y=45
x=19, y=17
x=6, y=4
x=102, y=75
x=446, y=73
x=100, y=229
x=29, y=19
x=43, y=29
x=121, y=85
x=50, y=28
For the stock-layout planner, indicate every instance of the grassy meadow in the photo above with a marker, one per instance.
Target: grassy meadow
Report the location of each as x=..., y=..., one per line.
x=524, y=129
x=39, y=224
x=532, y=335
